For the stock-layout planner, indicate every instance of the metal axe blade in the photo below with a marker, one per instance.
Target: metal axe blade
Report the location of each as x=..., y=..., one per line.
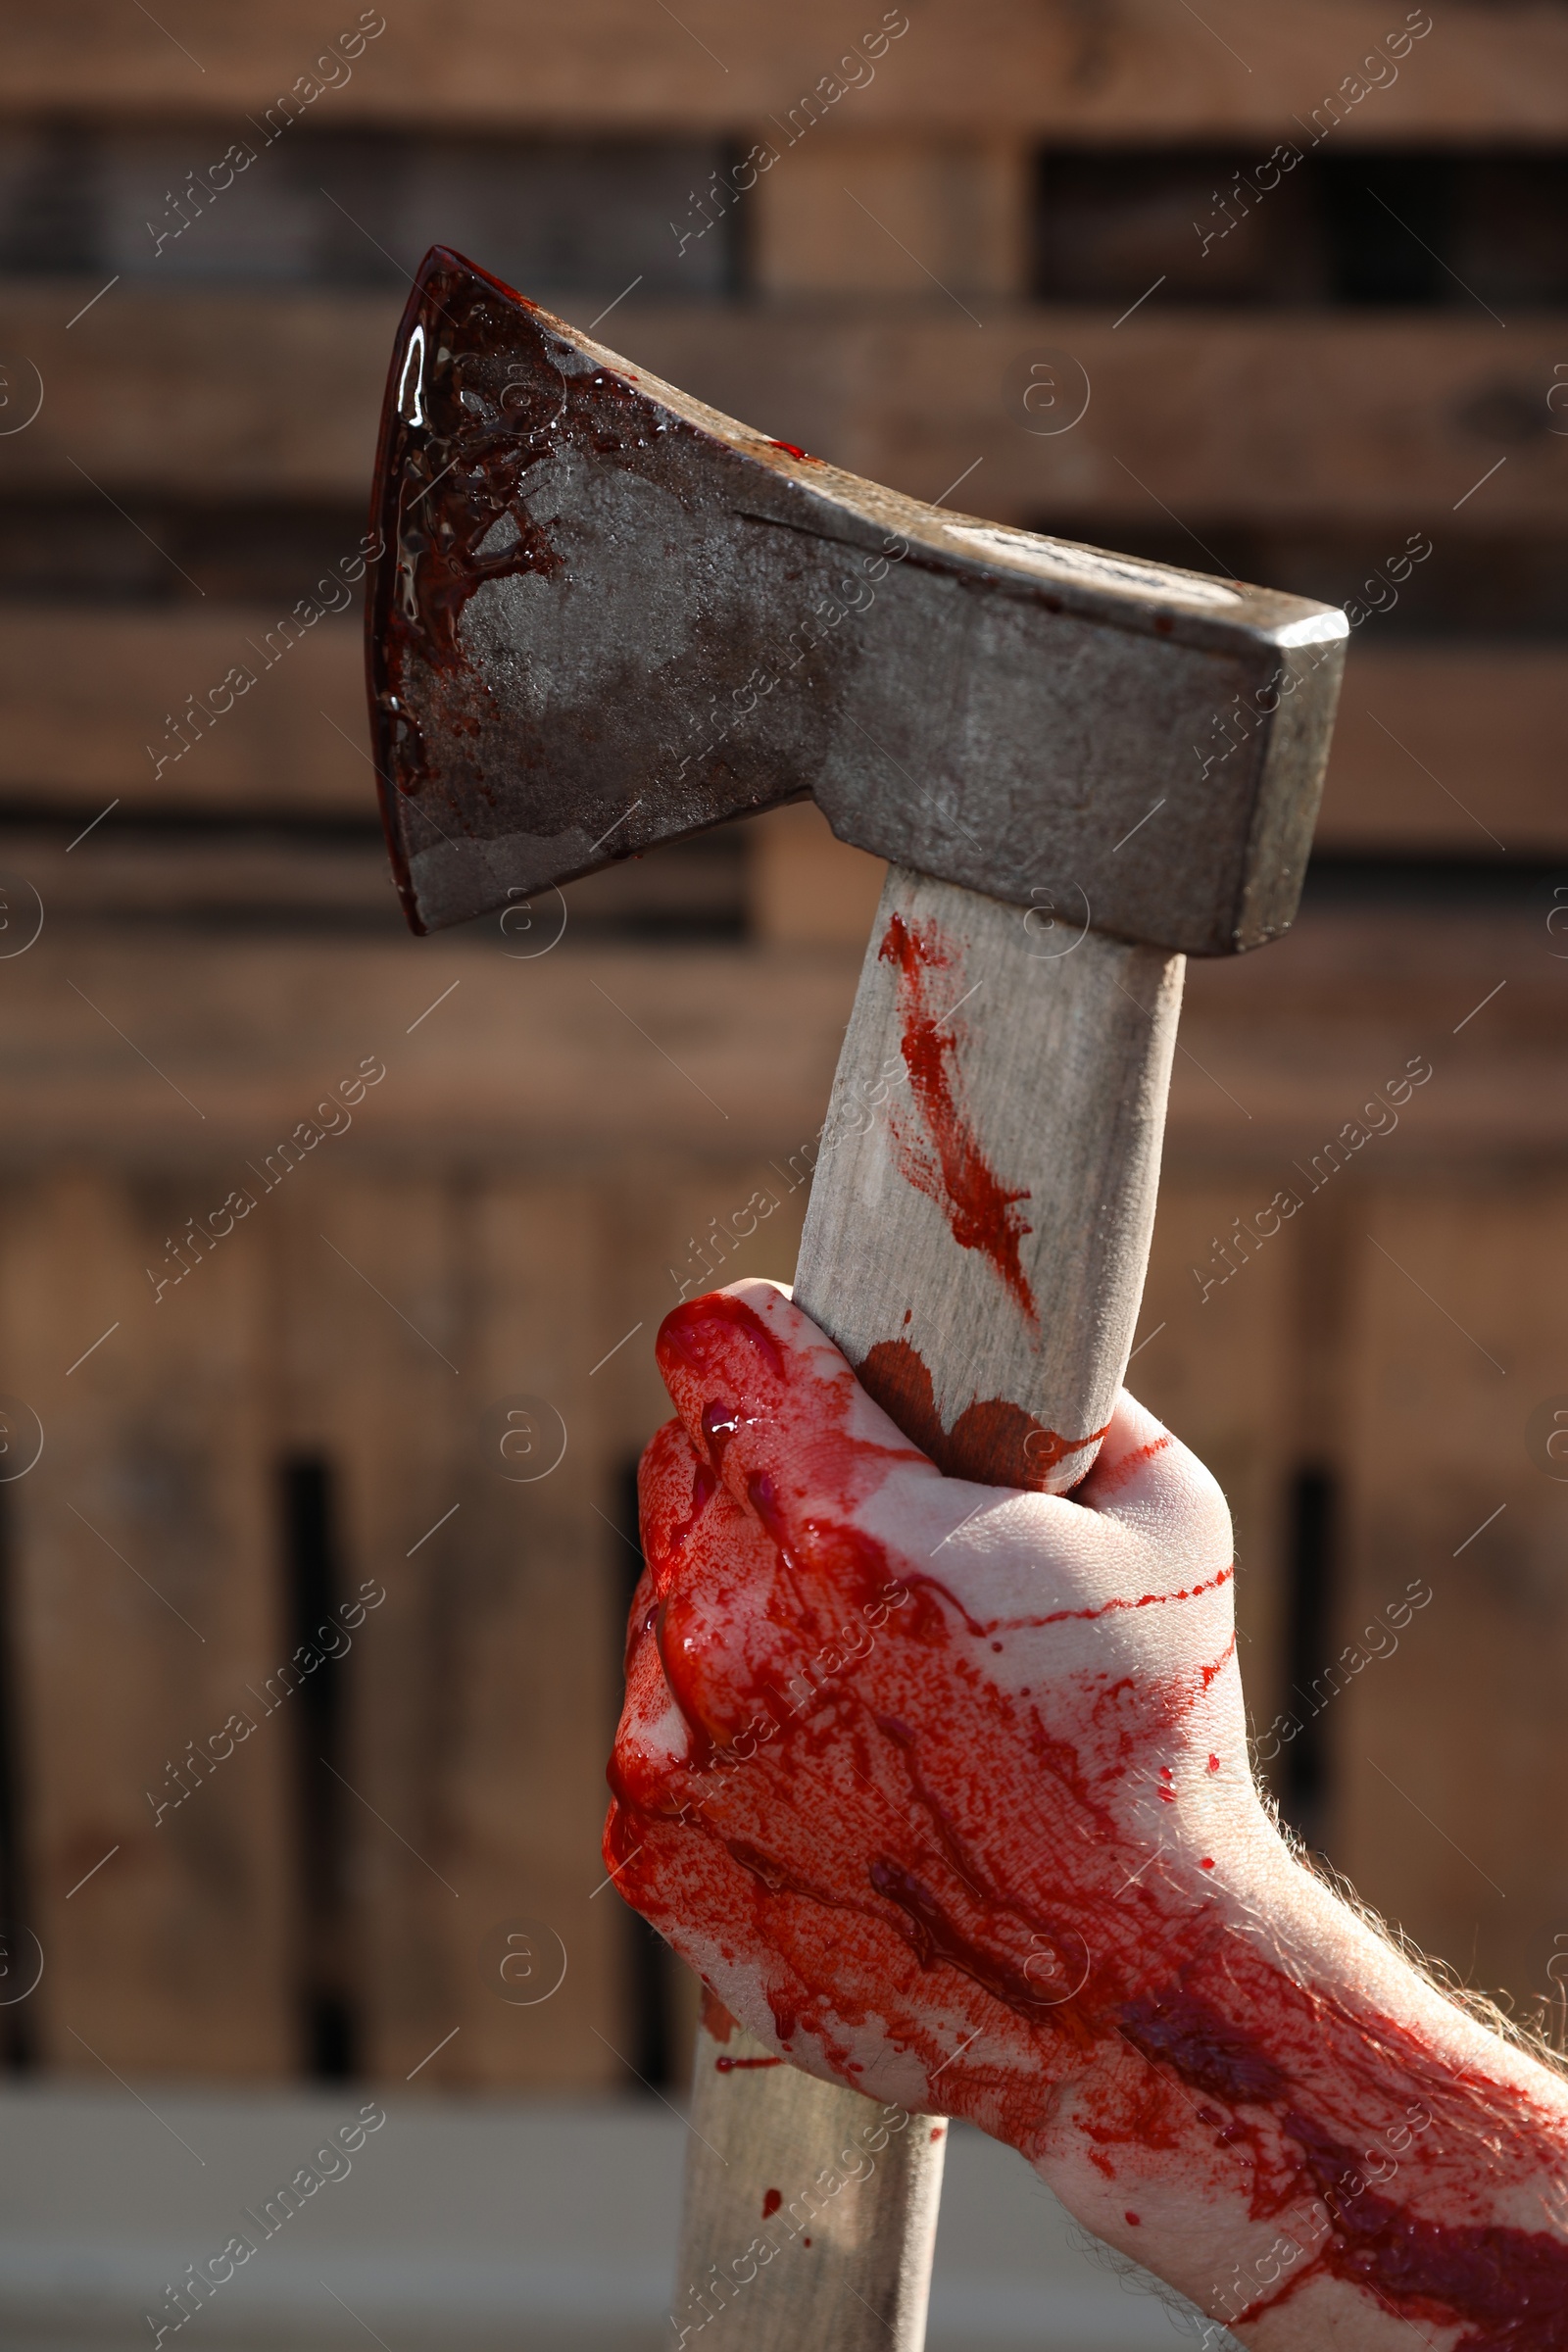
x=605, y=616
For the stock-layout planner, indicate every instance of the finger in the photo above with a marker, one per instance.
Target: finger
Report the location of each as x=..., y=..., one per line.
x=773, y=1407
x=1147, y=1481
x=703, y=1638
x=674, y=1483
x=652, y=1737
x=1130, y=1463
x=777, y=1411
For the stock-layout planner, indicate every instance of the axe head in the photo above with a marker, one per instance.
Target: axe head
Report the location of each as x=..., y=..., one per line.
x=605, y=616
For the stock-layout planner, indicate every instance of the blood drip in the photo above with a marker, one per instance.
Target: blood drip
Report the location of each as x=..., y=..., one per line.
x=991, y=1441
x=893, y=1849
x=948, y=1165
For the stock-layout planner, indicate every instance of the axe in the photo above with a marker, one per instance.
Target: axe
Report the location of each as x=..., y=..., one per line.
x=605, y=616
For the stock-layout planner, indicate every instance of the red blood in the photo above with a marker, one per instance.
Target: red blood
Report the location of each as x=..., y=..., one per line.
x=789, y=450
x=716, y=2019
x=1206, y=1862
x=1213, y=1763
x=996, y=1443
x=771, y=2203
x=698, y=1336
x=935, y=2132
x=947, y=1163
x=743, y=2066
x=1133, y=2219
x=450, y=479
x=805, y=2241
x=453, y=474
x=911, y=1837
x=1510, y=2285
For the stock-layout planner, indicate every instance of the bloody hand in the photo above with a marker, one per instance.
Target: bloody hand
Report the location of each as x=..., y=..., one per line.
x=944, y=1790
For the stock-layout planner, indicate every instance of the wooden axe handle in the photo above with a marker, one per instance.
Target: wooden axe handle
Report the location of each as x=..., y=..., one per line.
x=976, y=1244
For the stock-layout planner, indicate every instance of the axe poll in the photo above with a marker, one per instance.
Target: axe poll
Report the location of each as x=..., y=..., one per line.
x=605, y=616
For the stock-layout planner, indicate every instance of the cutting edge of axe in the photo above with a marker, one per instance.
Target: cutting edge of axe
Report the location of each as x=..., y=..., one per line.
x=578, y=562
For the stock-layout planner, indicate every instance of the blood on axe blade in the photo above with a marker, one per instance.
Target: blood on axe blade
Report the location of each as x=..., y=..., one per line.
x=606, y=616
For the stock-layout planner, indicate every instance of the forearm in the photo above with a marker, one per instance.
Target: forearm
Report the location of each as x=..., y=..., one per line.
x=1315, y=2146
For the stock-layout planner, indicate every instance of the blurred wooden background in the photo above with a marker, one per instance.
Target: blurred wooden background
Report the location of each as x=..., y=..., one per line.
x=1012, y=207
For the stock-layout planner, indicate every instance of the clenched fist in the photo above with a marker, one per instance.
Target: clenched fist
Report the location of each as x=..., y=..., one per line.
x=944, y=1790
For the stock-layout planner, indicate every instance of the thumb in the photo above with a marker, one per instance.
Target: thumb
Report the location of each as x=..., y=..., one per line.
x=774, y=1408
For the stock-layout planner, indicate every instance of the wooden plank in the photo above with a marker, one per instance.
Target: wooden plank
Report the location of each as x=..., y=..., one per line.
x=1204, y=416
x=546, y=1063
x=363, y=1391
x=482, y=1705
x=89, y=697
x=1286, y=1047
x=891, y=216
x=208, y=876
x=194, y=1397
x=992, y=64
x=1375, y=421
x=203, y=874
x=691, y=1047
x=1450, y=747
x=1446, y=1750
x=145, y=1566
x=806, y=884
x=224, y=392
x=531, y=1697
